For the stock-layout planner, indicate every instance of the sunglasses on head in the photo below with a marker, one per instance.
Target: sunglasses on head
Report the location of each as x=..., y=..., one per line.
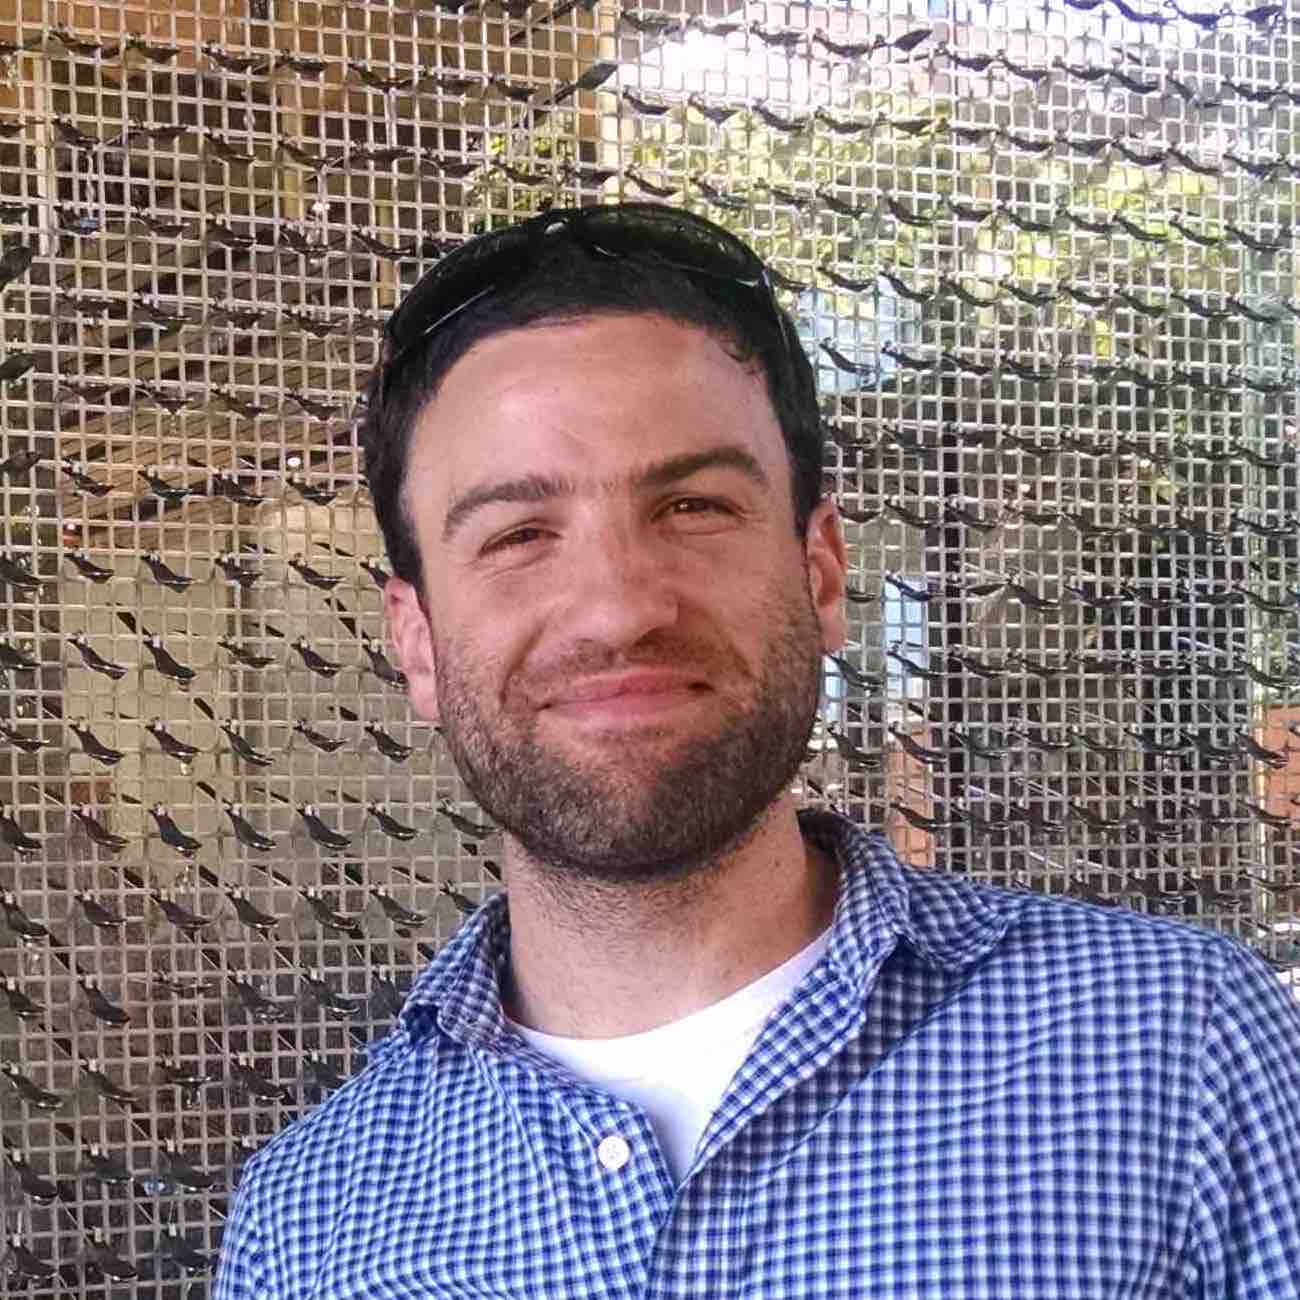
x=649, y=232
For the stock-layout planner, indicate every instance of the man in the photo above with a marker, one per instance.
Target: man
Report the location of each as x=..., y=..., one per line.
x=712, y=1047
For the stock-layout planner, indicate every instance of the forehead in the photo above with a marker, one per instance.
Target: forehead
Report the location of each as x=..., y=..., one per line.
x=592, y=399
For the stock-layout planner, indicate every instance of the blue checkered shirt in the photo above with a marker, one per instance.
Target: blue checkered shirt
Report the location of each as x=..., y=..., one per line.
x=977, y=1094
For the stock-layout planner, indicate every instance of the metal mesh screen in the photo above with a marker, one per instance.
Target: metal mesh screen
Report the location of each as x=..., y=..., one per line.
x=1045, y=259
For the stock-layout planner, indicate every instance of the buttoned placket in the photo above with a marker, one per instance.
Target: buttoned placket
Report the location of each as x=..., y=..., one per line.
x=805, y=1035
x=617, y=1158
x=630, y=1174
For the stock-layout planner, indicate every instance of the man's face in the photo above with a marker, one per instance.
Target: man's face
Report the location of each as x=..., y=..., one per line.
x=624, y=631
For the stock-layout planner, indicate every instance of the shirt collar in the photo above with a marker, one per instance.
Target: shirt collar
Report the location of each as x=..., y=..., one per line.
x=948, y=922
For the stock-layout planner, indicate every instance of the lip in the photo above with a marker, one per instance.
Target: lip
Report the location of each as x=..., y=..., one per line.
x=628, y=697
x=638, y=682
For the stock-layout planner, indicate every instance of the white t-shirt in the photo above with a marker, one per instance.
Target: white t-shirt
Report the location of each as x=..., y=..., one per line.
x=678, y=1073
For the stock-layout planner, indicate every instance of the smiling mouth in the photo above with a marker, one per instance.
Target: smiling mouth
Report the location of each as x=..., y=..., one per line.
x=629, y=705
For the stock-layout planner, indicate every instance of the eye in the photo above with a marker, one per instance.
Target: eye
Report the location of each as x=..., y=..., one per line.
x=678, y=507
x=695, y=506
x=515, y=538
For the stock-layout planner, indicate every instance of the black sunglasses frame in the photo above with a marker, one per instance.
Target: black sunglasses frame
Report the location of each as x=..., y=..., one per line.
x=653, y=232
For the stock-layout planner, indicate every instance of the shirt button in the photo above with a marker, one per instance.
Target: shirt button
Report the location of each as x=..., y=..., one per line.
x=613, y=1153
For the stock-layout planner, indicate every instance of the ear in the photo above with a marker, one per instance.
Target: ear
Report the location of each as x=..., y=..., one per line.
x=412, y=638
x=827, y=563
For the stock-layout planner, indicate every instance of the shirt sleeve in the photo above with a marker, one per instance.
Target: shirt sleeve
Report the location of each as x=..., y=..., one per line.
x=242, y=1272
x=1246, y=1197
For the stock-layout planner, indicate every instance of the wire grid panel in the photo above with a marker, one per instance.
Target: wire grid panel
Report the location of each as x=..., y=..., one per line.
x=1044, y=258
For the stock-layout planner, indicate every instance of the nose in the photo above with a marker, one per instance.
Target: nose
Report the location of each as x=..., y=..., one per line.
x=620, y=588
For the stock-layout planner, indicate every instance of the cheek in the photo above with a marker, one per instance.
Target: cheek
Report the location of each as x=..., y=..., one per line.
x=475, y=655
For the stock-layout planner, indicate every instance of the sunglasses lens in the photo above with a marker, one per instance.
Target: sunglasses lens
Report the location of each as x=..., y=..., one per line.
x=649, y=231
x=457, y=278
x=672, y=237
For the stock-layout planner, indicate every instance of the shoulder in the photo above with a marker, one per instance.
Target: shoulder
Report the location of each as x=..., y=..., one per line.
x=314, y=1155
x=416, y=1074
x=1070, y=919
x=1062, y=940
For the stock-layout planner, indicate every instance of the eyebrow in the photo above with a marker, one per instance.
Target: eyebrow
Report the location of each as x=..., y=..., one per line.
x=537, y=488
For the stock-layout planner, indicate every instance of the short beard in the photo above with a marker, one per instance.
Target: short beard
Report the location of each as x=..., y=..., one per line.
x=619, y=825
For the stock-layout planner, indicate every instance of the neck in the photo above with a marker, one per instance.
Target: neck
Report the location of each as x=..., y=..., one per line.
x=595, y=959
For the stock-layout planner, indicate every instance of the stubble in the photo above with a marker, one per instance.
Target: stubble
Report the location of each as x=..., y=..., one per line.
x=658, y=805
